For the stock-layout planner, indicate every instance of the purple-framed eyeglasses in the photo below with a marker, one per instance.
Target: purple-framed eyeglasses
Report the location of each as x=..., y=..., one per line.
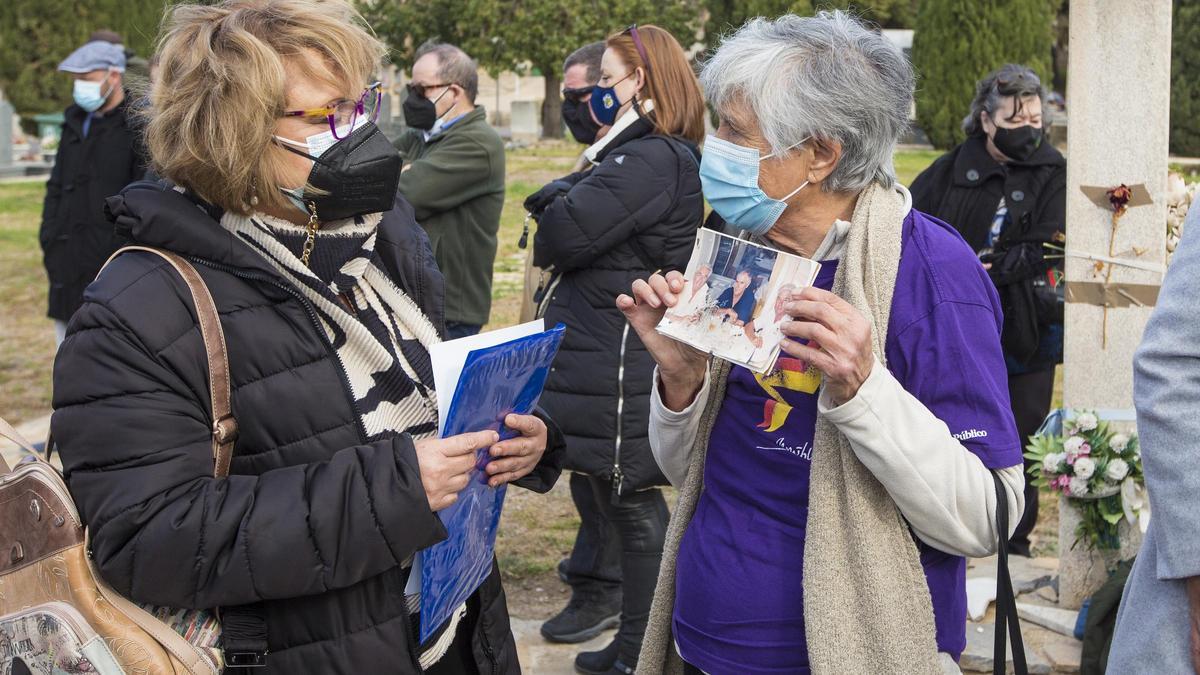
x=345, y=114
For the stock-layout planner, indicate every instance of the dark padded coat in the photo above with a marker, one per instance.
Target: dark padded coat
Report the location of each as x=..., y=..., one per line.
x=75, y=236
x=635, y=212
x=315, y=519
x=963, y=188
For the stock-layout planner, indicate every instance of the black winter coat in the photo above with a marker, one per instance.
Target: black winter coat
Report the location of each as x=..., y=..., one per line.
x=315, y=519
x=75, y=236
x=635, y=212
x=963, y=188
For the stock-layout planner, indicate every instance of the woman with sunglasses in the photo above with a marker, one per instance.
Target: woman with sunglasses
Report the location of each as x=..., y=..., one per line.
x=635, y=211
x=285, y=202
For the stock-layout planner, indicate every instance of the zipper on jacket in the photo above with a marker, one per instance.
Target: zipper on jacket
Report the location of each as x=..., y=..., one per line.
x=487, y=644
x=414, y=654
x=313, y=318
x=618, y=476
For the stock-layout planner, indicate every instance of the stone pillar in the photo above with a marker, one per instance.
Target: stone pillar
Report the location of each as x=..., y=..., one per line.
x=1118, y=99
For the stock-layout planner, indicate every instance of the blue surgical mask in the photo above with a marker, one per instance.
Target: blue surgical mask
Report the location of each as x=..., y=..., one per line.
x=729, y=179
x=317, y=144
x=605, y=103
x=296, y=197
x=88, y=95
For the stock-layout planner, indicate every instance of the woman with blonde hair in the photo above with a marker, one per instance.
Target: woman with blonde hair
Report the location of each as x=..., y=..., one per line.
x=284, y=199
x=634, y=211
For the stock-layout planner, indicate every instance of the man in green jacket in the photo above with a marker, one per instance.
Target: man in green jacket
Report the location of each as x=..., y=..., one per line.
x=454, y=178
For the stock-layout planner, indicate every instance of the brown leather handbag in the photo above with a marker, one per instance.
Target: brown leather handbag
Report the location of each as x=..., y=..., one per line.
x=56, y=613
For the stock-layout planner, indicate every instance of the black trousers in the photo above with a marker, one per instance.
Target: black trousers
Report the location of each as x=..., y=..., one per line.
x=1030, y=395
x=595, y=562
x=640, y=519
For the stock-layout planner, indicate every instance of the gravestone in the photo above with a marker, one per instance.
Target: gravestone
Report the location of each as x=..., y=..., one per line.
x=526, y=120
x=1118, y=100
x=6, y=135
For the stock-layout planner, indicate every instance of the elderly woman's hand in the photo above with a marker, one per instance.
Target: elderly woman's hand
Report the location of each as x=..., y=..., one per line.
x=839, y=340
x=680, y=368
x=515, y=458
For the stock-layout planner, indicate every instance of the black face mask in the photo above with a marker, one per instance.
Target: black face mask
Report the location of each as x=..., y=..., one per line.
x=360, y=173
x=1018, y=143
x=420, y=112
x=578, y=117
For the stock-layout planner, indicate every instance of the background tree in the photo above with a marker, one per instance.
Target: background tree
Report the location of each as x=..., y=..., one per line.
x=523, y=35
x=1185, y=87
x=36, y=35
x=957, y=42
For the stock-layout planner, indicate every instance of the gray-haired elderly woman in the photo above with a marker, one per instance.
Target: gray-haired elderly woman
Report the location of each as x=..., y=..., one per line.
x=826, y=507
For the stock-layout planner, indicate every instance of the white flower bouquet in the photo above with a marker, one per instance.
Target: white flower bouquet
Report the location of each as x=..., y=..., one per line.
x=1179, y=197
x=1098, y=470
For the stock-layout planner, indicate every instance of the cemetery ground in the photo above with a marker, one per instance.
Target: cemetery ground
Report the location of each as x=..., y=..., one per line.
x=537, y=530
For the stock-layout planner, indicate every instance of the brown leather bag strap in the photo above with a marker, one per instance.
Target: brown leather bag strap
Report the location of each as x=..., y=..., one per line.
x=224, y=426
x=8, y=431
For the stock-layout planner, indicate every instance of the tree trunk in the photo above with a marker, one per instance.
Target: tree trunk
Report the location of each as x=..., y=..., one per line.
x=551, y=106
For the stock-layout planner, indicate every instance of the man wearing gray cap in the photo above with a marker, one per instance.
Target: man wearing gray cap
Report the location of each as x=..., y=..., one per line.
x=100, y=151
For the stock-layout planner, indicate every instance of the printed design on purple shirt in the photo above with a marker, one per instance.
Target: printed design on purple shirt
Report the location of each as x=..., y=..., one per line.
x=790, y=374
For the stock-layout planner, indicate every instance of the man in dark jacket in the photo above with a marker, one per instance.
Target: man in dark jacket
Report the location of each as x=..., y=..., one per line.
x=454, y=178
x=99, y=152
x=1004, y=190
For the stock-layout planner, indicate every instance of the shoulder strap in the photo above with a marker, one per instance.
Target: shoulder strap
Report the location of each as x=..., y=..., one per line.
x=224, y=426
x=7, y=431
x=1006, y=603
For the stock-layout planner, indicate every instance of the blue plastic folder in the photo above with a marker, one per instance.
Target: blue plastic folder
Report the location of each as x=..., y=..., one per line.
x=495, y=381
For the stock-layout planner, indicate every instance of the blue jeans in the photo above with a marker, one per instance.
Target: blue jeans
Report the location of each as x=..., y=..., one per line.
x=455, y=330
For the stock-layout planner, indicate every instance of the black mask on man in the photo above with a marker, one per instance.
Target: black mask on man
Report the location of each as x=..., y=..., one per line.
x=578, y=117
x=359, y=174
x=420, y=112
x=1018, y=143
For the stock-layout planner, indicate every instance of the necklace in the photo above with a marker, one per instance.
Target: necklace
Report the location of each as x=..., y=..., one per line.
x=311, y=240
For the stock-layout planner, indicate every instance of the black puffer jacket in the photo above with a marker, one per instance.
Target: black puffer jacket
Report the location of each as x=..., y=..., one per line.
x=964, y=188
x=75, y=236
x=637, y=211
x=315, y=519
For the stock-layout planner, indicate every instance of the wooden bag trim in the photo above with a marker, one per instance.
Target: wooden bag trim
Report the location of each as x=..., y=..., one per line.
x=187, y=653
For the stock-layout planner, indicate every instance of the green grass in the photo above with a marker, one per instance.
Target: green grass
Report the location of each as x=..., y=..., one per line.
x=909, y=163
x=26, y=335
x=1190, y=172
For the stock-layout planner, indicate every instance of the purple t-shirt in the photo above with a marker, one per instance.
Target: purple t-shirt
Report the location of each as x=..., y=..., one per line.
x=739, y=593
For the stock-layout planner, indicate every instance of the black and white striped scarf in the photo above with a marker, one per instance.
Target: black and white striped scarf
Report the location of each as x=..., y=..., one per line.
x=383, y=345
